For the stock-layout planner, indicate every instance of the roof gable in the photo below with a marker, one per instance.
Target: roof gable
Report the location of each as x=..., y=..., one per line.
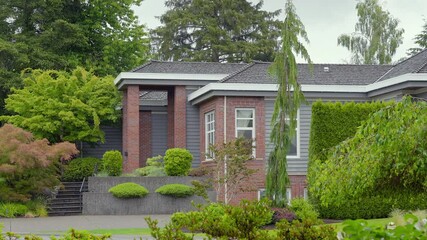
x=414, y=64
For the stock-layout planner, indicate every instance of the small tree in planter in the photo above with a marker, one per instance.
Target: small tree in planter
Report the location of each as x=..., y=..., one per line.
x=112, y=161
x=231, y=169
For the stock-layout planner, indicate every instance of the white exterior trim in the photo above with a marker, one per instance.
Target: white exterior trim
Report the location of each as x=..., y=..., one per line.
x=167, y=77
x=253, y=128
x=258, y=87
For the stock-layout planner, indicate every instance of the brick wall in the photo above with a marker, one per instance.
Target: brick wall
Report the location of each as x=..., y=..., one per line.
x=298, y=183
x=131, y=131
x=180, y=121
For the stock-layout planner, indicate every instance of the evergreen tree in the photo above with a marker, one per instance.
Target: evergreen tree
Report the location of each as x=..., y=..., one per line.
x=420, y=40
x=216, y=31
x=376, y=35
x=288, y=101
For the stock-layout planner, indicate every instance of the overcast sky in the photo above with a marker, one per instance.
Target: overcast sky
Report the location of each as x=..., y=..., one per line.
x=324, y=21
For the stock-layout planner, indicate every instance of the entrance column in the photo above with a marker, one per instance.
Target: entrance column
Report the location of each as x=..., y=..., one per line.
x=131, y=128
x=180, y=120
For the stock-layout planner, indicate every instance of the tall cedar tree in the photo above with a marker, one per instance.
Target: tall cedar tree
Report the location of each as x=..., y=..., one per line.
x=28, y=167
x=420, y=40
x=288, y=101
x=103, y=35
x=376, y=35
x=216, y=31
x=63, y=106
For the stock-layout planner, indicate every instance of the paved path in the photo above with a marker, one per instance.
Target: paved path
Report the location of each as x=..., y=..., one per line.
x=46, y=225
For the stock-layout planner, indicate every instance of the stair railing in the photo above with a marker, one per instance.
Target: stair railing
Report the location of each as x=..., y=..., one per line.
x=81, y=195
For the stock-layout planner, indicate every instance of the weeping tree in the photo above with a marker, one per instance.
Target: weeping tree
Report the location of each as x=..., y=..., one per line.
x=288, y=101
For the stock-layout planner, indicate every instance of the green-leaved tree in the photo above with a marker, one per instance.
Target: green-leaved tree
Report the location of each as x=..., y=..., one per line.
x=61, y=106
x=216, y=31
x=288, y=101
x=376, y=36
x=420, y=40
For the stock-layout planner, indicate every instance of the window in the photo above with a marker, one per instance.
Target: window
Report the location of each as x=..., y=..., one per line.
x=289, y=195
x=245, y=124
x=209, y=133
x=261, y=193
x=293, y=150
x=305, y=193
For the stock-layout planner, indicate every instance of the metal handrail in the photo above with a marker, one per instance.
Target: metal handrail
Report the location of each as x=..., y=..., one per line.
x=83, y=183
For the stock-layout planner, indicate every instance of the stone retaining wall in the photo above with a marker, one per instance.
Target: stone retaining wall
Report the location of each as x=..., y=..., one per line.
x=98, y=201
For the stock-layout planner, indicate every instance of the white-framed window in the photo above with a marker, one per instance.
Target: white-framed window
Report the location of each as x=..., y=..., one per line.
x=245, y=124
x=289, y=195
x=305, y=193
x=261, y=194
x=209, y=133
x=294, y=148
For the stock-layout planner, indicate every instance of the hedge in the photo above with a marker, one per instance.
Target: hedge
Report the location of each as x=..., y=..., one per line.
x=80, y=168
x=176, y=190
x=333, y=122
x=177, y=162
x=128, y=190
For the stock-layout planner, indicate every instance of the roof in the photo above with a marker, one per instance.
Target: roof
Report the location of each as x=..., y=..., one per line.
x=189, y=67
x=414, y=64
x=322, y=74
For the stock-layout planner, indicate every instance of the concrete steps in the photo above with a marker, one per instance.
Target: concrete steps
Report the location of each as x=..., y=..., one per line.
x=68, y=201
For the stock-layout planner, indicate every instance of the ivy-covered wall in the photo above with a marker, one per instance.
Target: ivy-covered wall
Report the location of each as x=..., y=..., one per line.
x=333, y=122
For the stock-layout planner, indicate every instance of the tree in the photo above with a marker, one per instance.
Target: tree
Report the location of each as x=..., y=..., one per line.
x=230, y=168
x=27, y=166
x=103, y=35
x=376, y=35
x=421, y=40
x=288, y=100
x=216, y=31
x=63, y=106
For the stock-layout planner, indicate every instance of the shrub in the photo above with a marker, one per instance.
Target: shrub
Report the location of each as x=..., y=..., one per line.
x=177, y=162
x=176, y=190
x=11, y=210
x=154, y=168
x=37, y=208
x=80, y=168
x=282, y=214
x=306, y=229
x=198, y=172
x=128, y=190
x=112, y=161
x=304, y=210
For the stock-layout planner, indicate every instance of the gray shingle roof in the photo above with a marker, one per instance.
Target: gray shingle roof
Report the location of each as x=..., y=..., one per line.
x=338, y=74
x=190, y=67
x=413, y=64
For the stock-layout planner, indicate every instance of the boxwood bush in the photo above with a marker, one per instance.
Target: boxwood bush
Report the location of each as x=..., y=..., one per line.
x=176, y=190
x=112, y=161
x=79, y=168
x=128, y=190
x=177, y=162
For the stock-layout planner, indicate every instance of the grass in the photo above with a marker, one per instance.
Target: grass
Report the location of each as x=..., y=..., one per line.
x=380, y=222
x=122, y=231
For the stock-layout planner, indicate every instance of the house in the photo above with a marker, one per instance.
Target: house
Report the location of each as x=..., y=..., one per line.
x=194, y=104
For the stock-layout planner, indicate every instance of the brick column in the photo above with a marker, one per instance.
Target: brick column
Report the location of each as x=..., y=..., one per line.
x=171, y=110
x=180, y=123
x=131, y=128
x=145, y=137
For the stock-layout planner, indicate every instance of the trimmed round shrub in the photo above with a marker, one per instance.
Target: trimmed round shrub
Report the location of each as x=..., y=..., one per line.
x=177, y=162
x=176, y=190
x=113, y=162
x=128, y=190
x=80, y=168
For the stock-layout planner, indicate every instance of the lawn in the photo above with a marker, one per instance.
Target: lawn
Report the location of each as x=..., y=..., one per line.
x=380, y=222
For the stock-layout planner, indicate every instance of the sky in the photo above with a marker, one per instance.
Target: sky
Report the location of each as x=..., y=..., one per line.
x=324, y=21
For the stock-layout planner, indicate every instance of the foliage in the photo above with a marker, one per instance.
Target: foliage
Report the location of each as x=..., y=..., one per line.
x=11, y=210
x=201, y=188
x=177, y=162
x=80, y=168
x=283, y=214
x=359, y=229
x=288, y=101
x=216, y=31
x=37, y=207
x=81, y=234
x=376, y=35
x=176, y=190
x=170, y=231
x=304, y=210
x=199, y=171
x=222, y=221
x=334, y=122
x=27, y=166
x=61, y=106
x=154, y=168
x=305, y=229
x=128, y=190
x=378, y=205
x=230, y=169
x=420, y=40
x=112, y=162
x=344, y=176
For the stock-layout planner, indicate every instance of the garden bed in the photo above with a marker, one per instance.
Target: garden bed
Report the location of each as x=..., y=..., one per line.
x=98, y=201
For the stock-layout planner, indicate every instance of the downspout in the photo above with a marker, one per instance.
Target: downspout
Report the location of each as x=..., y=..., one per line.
x=225, y=141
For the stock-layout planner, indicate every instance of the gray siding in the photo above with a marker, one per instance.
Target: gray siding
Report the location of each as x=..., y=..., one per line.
x=159, y=133
x=113, y=141
x=296, y=166
x=193, y=131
